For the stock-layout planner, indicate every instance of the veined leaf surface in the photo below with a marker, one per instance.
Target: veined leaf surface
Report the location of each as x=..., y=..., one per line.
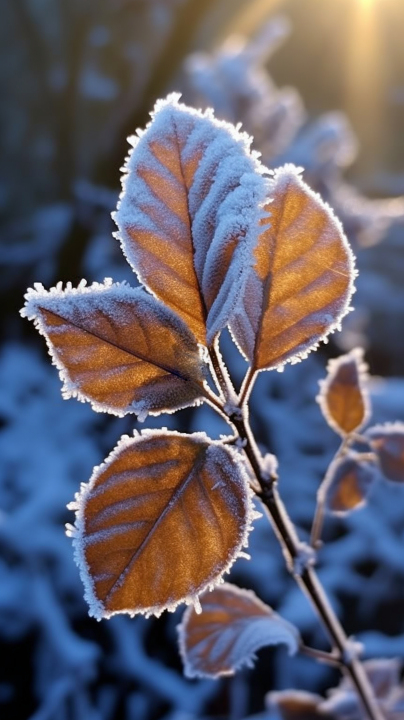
x=343, y=398
x=161, y=520
x=232, y=626
x=118, y=347
x=302, y=280
x=189, y=213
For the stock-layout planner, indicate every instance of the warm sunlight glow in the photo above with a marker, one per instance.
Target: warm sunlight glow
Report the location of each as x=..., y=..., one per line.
x=364, y=77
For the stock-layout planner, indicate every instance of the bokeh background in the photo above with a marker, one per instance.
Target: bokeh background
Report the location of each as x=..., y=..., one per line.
x=317, y=82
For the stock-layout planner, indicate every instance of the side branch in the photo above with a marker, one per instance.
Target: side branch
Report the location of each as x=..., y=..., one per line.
x=300, y=565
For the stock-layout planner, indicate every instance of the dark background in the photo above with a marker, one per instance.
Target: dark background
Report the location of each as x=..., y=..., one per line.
x=76, y=77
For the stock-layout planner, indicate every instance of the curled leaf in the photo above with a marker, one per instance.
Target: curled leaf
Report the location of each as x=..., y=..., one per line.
x=347, y=484
x=189, y=212
x=302, y=280
x=232, y=626
x=160, y=520
x=297, y=705
x=384, y=677
x=118, y=347
x=343, y=399
x=387, y=441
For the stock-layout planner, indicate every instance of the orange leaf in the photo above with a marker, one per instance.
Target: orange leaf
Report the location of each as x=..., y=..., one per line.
x=232, y=626
x=118, y=347
x=297, y=705
x=189, y=213
x=343, y=397
x=160, y=520
x=302, y=280
x=346, y=484
x=387, y=441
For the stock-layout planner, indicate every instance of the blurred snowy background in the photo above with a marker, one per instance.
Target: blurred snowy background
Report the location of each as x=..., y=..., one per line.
x=317, y=83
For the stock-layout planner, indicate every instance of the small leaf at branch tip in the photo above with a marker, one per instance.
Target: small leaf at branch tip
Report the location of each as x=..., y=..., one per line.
x=343, y=397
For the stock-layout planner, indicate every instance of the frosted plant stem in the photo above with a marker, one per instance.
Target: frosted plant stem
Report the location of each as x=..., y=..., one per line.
x=307, y=579
x=320, y=655
x=317, y=527
x=221, y=373
x=246, y=387
x=318, y=522
x=303, y=573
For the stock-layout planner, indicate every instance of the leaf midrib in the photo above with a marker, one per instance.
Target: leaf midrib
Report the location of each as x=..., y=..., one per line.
x=169, y=505
x=136, y=354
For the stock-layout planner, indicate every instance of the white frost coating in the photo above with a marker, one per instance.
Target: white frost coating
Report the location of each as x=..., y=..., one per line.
x=218, y=456
x=353, y=649
x=224, y=201
x=219, y=647
x=246, y=319
x=305, y=558
x=166, y=393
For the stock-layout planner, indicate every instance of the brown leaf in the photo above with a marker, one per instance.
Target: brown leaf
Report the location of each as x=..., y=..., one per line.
x=387, y=441
x=297, y=705
x=189, y=213
x=343, y=398
x=346, y=484
x=118, y=347
x=161, y=520
x=232, y=626
x=302, y=281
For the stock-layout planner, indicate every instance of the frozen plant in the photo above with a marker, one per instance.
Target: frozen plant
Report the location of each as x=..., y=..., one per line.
x=217, y=240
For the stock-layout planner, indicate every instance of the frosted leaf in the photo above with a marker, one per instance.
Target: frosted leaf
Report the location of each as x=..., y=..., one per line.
x=150, y=531
x=233, y=625
x=118, y=347
x=189, y=213
x=383, y=673
x=302, y=280
x=387, y=441
x=296, y=705
x=343, y=397
x=384, y=677
x=347, y=484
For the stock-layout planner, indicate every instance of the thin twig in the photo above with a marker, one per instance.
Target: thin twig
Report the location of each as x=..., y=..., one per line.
x=321, y=655
x=247, y=386
x=222, y=373
x=303, y=571
x=317, y=527
x=318, y=522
